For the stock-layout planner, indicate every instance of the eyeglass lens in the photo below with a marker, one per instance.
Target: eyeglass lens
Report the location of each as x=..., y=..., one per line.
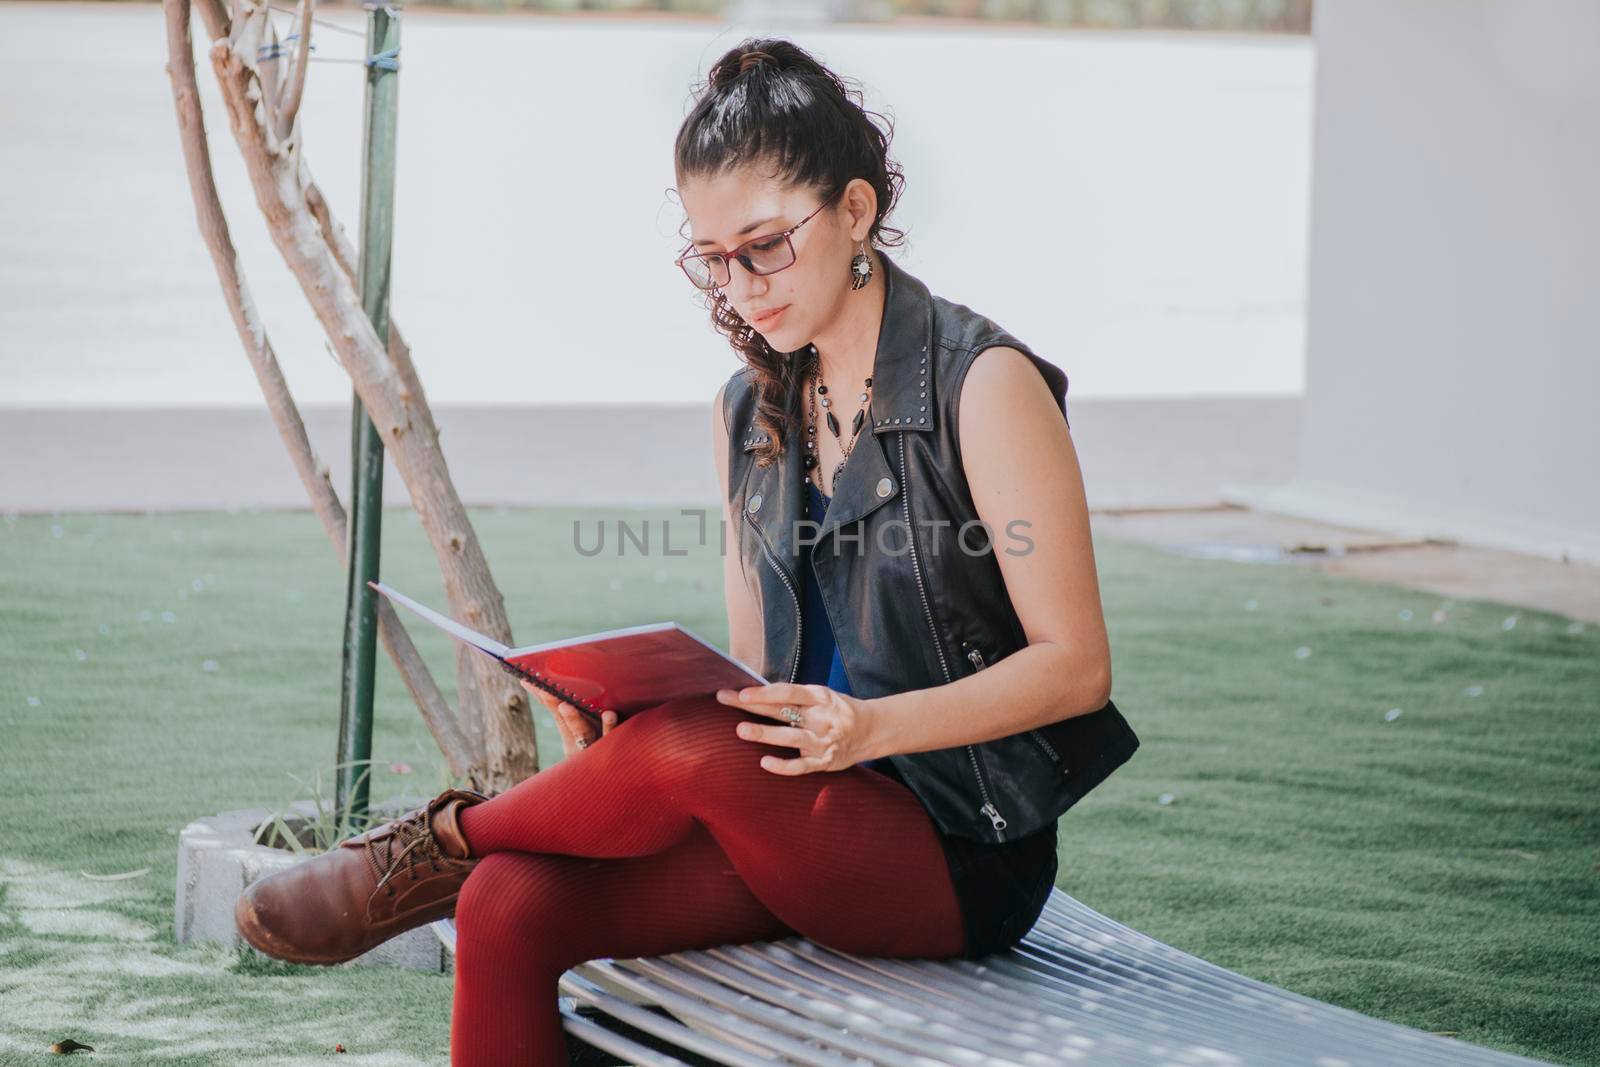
x=758, y=257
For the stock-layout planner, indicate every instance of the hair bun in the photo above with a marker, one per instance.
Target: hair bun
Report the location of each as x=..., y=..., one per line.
x=754, y=58
x=727, y=72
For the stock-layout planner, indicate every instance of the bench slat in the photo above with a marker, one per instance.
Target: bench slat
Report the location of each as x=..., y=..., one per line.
x=849, y=1045
x=759, y=1033
x=1067, y=921
x=1080, y=988
x=891, y=1027
x=592, y=1033
x=656, y=1025
x=1013, y=1022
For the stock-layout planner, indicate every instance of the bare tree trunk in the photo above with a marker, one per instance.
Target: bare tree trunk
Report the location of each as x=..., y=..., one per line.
x=399, y=354
x=440, y=718
x=490, y=742
x=485, y=691
x=218, y=21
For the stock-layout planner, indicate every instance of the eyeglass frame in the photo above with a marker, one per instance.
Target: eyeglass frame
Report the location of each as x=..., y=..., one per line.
x=729, y=256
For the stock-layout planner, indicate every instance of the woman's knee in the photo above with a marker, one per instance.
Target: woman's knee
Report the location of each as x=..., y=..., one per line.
x=682, y=737
x=506, y=893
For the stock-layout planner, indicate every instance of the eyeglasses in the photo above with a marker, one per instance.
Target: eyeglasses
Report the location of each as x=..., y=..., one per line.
x=760, y=255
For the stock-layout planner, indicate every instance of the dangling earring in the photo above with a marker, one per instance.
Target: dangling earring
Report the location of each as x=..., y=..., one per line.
x=860, y=268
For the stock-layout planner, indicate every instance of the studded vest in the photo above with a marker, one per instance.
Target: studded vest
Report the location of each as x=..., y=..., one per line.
x=911, y=612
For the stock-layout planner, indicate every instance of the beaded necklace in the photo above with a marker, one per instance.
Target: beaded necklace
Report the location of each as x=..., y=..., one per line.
x=818, y=391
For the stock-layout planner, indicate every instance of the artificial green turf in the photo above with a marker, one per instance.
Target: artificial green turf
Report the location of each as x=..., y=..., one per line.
x=1437, y=868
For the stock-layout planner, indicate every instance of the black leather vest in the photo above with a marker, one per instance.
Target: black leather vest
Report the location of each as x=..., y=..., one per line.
x=911, y=613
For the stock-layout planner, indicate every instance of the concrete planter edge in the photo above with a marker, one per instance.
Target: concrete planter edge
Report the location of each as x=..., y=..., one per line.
x=218, y=858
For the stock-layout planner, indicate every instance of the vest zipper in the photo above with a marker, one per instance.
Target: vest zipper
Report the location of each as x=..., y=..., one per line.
x=794, y=664
x=976, y=657
x=987, y=808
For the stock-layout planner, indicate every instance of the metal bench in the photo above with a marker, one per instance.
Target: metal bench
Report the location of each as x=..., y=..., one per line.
x=1080, y=988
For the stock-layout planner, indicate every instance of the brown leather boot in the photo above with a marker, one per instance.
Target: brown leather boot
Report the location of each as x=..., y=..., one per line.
x=335, y=906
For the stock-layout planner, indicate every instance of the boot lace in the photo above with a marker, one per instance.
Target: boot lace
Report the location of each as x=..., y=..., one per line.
x=410, y=843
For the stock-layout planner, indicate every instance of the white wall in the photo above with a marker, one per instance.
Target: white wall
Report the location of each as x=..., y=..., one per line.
x=1132, y=204
x=1453, y=318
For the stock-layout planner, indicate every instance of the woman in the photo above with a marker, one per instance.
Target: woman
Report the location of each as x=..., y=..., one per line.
x=876, y=796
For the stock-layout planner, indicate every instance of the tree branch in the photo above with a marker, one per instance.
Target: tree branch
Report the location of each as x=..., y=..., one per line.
x=295, y=89
x=440, y=718
x=407, y=429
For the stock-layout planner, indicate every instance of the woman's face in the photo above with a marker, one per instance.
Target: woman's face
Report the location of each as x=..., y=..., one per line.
x=730, y=209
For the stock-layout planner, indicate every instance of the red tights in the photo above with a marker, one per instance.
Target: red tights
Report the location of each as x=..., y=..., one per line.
x=668, y=835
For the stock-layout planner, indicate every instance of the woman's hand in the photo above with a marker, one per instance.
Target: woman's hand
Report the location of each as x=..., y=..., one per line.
x=832, y=731
x=576, y=733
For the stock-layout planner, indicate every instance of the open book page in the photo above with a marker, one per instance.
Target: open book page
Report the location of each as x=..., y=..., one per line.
x=634, y=668
x=622, y=670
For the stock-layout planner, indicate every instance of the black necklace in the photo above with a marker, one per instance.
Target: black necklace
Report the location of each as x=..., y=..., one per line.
x=820, y=390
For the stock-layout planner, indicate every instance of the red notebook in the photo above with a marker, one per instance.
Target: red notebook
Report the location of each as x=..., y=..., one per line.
x=625, y=670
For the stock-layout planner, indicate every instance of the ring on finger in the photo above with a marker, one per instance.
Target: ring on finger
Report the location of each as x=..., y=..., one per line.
x=581, y=743
x=791, y=716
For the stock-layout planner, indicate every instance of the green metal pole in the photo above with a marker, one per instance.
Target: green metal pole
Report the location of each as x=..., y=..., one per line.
x=365, y=525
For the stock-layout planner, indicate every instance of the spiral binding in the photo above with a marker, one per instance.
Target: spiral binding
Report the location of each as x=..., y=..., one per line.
x=548, y=686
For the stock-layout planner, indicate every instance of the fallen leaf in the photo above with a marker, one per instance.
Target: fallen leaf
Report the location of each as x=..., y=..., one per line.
x=338, y=1048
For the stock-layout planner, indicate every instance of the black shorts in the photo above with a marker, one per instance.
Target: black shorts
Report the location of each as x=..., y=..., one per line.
x=1001, y=888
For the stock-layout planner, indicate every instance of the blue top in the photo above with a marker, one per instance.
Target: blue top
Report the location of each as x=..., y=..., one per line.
x=1001, y=888
x=819, y=654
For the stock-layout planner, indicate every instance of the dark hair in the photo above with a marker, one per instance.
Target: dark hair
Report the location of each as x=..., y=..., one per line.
x=768, y=101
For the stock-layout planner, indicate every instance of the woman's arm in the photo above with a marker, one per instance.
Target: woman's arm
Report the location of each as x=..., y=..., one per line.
x=745, y=636
x=1021, y=466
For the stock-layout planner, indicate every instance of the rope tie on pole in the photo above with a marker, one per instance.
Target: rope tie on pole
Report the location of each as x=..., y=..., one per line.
x=388, y=59
x=277, y=49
